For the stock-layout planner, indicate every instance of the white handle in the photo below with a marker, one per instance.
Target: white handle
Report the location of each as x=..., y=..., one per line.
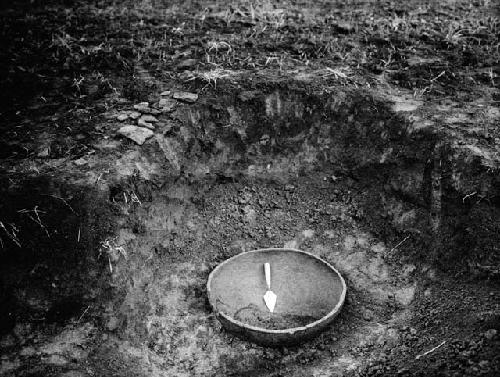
x=267, y=272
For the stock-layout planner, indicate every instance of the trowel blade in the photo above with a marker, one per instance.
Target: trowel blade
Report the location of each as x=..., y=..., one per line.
x=270, y=300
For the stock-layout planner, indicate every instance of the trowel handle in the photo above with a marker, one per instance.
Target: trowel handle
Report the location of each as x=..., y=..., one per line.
x=267, y=272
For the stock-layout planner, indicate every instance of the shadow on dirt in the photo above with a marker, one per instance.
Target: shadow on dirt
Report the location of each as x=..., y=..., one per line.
x=50, y=271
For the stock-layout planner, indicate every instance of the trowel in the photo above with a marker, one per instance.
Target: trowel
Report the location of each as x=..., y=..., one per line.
x=270, y=297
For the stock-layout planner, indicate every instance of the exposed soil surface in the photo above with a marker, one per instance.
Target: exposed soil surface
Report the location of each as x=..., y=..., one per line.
x=143, y=143
x=254, y=316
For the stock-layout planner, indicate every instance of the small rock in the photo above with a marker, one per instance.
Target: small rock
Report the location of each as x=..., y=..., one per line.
x=149, y=118
x=165, y=93
x=142, y=123
x=166, y=105
x=289, y=187
x=122, y=117
x=142, y=107
x=134, y=115
x=153, y=112
x=186, y=97
x=490, y=334
x=187, y=64
x=44, y=152
x=136, y=134
x=80, y=162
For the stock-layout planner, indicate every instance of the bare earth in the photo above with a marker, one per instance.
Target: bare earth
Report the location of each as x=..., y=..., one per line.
x=144, y=142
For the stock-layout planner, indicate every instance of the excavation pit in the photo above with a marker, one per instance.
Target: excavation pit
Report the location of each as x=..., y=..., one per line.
x=343, y=175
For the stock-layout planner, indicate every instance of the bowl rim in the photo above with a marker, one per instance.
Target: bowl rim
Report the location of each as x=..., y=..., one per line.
x=330, y=315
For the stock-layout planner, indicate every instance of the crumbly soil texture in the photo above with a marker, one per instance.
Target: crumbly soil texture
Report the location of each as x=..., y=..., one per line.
x=254, y=316
x=145, y=142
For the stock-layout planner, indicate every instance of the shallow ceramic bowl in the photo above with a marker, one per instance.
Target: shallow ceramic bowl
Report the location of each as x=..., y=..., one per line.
x=310, y=294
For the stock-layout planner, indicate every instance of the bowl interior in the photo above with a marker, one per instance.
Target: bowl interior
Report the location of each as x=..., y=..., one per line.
x=307, y=289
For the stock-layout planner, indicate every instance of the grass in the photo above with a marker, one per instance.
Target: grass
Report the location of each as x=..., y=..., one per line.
x=61, y=59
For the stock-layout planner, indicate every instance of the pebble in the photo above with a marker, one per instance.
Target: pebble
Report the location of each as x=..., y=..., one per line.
x=137, y=134
x=166, y=104
x=122, y=117
x=149, y=118
x=44, y=152
x=134, y=115
x=185, y=97
x=187, y=64
x=147, y=121
x=142, y=106
x=80, y=162
x=142, y=123
x=165, y=93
